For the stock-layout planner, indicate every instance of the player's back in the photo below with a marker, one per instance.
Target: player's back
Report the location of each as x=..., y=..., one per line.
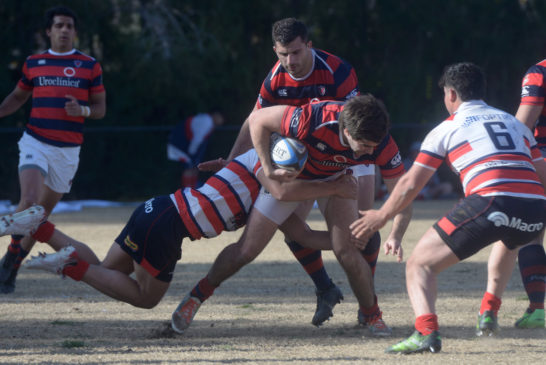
x=224, y=201
x=489, y=149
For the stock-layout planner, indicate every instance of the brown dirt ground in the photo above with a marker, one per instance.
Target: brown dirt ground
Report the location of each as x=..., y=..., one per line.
x=260, y=316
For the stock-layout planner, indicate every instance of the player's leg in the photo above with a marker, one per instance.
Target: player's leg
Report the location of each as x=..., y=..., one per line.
x=430, y=257
x=31, y=180
x=48, y=199
x=328, y=294
x=339, y=214
x=499, y=269
x=532, y=267
x=149, y=245
x=111, y=278
x=258, y=232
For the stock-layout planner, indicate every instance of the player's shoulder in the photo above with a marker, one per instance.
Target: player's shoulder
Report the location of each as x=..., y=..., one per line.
x=248, y=159
x=331, y=59
x=83, y=56
x=37, y=55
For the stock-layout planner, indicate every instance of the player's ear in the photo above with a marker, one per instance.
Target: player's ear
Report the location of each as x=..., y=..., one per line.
x=310, y=44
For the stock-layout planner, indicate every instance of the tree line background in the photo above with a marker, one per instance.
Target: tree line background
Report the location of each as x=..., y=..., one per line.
x=164, y=60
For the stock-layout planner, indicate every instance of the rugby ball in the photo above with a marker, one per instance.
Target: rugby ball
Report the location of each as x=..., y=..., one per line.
x=287, y=153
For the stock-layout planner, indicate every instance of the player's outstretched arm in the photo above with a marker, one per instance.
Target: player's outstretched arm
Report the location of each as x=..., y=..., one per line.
x=407, y=188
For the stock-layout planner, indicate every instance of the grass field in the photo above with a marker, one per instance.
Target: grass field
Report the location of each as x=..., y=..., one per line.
x=261, y=315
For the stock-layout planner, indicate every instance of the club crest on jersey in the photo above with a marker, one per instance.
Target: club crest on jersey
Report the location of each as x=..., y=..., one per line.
x=69, y=71
x=78, y=63
x=41, y=62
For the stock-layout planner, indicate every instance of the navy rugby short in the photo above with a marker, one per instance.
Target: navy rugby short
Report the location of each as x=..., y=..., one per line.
x=153, y=237
x=477, y=221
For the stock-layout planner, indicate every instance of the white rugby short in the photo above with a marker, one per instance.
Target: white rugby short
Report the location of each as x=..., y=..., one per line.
x=58, y=165
x=278, y=211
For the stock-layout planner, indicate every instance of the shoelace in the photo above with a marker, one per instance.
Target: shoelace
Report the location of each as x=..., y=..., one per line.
x=188, y=310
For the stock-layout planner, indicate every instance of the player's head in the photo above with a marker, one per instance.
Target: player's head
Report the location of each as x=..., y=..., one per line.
x=466, y=79
x=286, y=30
x=60, y=10
x=292, y=45
x=364, y=122
x=61, y=25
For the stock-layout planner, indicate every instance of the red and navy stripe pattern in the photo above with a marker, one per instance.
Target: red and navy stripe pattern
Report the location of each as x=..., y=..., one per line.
x=533, y=92
x=51, y=77
x=331, y=79
x=316, y=125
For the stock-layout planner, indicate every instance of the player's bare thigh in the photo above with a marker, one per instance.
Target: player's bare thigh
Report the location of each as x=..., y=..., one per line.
x=117, y=259
x=432, y=252
x=258, y=232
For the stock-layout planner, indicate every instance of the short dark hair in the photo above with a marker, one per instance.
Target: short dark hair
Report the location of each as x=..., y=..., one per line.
x=286, y=30
x=466, y=78
x=366, y=118
x=60, y=10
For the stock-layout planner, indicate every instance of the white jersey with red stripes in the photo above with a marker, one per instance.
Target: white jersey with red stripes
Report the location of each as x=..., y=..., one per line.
x=490, y=150
x=223, y=203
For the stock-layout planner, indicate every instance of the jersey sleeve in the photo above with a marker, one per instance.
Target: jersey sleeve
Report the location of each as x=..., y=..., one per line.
x=433, y=149
x=533, y=88
x=96, y=85
x=250, y=161
x=296, y=120
x=25, y=82
x=389, y=159
x=347, y=80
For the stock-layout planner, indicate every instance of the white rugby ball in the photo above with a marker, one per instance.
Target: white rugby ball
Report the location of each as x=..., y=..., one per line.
x=287, y=153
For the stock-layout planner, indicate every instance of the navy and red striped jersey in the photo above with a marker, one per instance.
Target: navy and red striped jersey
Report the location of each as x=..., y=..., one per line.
x=317, y=126
x=50, y=77
x=330, y=79
x=533, y=92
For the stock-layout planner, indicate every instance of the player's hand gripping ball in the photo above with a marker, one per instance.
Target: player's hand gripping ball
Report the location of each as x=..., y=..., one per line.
x=287, y=153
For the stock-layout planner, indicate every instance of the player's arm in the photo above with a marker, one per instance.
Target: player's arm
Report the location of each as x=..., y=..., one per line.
x=404, y=192
x=393, y=243
x=528, y=114
x=345, y=186
x=97, y=105
x=262, y=123
x=14, y=101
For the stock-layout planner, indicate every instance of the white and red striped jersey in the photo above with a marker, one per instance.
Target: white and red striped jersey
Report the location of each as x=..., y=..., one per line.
x=490, y=150
x=223, y=203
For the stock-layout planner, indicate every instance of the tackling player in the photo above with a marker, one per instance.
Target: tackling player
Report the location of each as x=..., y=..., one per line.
x=151, y=242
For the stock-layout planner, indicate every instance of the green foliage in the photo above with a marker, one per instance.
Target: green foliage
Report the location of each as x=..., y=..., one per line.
x=165, y=59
